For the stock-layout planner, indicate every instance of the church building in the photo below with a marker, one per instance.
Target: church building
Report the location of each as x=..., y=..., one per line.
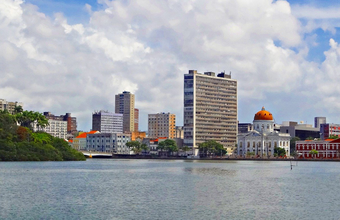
x=263, y=138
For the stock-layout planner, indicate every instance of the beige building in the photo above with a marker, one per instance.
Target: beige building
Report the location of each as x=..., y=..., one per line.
x=125, y=104
x=162, y=125
x=9, y=106
x=179, y=132
x=210, y=109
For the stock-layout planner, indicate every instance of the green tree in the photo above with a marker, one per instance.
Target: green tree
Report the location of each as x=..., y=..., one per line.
x=17, y=109
x=333, y=137
x=278, y=151
x=145, y=148
x=168, y=145
x=210, y=148
x=250, y=154
x=21, y=144
x=309, y=138
x=27, y=118
x=313, y=153
x=135, y=146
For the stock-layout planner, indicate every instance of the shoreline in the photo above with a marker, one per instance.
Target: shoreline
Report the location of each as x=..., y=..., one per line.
x=217, y=159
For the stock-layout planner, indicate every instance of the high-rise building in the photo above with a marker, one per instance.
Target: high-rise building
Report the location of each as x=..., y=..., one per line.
x=70, y=121
x=125, y=104
x=318, y=121
x=210, y=109
x=9, y=106
x=162, y=125
x=107, y=122
x=136, y=119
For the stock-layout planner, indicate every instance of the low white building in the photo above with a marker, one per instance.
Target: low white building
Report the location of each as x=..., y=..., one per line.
x=263, y=139
x=108, y=142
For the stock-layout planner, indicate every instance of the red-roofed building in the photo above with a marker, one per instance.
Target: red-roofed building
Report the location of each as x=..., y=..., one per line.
x=79, y=143
x=327, y=149
x=152, y=143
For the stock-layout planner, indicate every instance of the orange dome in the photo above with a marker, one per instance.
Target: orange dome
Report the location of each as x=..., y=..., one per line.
x=263, y=115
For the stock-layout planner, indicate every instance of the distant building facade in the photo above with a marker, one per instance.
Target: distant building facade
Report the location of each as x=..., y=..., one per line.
x=71, y=121
x=108, y=142
x=318, y=121
x=326, y=149
x=245, y=127
x=263, y=139
x=137, y=135
x=161, y=125
x=328, y=129
x=56, y=128
x=179, y=132
x=9, y=106
x=125, y=104
x=107, y=122
x=136, y=128
x=302, y=131
x=79, y=142
x=210, y=109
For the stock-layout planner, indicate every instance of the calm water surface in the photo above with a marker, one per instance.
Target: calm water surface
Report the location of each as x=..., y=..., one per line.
x=159, y=189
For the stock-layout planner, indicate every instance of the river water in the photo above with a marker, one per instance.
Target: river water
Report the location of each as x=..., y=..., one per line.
x=161, y=189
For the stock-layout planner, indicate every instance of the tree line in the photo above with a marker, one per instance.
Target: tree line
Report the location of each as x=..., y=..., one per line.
x=18, y=142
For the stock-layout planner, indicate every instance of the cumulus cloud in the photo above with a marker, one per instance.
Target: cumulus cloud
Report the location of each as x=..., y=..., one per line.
x=146, y=46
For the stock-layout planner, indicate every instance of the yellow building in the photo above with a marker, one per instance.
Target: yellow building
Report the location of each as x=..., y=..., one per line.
x=138, y=135
x=125, y=104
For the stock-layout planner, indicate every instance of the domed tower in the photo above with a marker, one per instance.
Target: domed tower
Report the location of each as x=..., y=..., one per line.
x=263, y=121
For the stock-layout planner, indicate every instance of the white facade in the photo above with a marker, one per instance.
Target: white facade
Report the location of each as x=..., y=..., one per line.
x=55, y=128
x=107, y=122
x=262, y=140
x=108, y=142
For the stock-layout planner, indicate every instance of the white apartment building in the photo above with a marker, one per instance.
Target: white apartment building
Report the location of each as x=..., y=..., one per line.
x=55, y=128
x=210, y=109
x=107, y=122
x=108, y=142
x=162, y=125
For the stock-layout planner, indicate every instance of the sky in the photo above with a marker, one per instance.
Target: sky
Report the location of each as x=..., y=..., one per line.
x=74, y=56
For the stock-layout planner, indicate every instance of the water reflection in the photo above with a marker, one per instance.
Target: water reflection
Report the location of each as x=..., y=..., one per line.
x=210, y=171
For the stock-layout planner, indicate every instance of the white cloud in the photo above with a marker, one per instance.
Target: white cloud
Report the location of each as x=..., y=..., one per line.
x=146, y=46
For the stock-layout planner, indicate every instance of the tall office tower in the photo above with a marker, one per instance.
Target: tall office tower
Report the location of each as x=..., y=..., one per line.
x=162, y=125
x=9, y=106
x=136, y=119
x=318, y=121
x=125, y=104
x=107, y=122
x=210, y=109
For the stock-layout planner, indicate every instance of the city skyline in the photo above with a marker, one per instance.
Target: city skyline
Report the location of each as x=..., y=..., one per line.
x=72, y=56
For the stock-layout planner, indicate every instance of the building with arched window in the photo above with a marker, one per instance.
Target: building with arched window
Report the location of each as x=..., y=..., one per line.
x=262, y=140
